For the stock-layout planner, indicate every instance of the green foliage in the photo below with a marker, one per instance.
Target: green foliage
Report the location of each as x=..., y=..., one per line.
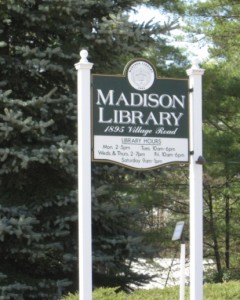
x=71, y=297
x=148, y=204
x=175, y=6
x=219, y=20
x=117, y=239
x=226, y=275
x=224, y=291
x=221, y=150
x=38, y=153
x=217, y=23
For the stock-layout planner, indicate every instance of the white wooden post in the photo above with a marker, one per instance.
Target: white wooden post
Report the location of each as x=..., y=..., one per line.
x=196, y=194
x=84, y=177
x=182, y=271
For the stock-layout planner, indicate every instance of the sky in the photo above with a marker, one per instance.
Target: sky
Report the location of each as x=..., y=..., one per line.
x=195, y=50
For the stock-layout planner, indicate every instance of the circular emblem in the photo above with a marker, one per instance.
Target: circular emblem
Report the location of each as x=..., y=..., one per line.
x=141, y=75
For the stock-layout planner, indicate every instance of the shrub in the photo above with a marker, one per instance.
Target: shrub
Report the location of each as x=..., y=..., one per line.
x=224, y=276
x=221, y=291
x=71, y=297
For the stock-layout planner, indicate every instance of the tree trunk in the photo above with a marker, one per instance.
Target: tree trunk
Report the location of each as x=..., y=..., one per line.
x=227, y=232
x=213, y=232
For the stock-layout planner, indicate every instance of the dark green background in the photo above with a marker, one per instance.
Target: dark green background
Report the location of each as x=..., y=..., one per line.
x=120, y=84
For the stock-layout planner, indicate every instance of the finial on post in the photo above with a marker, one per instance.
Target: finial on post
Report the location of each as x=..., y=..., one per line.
x=195, y=64
x=83, y=63
x=83, y=55
x=195, y=68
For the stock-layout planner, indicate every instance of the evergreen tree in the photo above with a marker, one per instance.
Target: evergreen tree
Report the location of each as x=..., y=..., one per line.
x=221, y=183
x=218, y=23
x=39, y=44
x=38, y=150
x=117, y=234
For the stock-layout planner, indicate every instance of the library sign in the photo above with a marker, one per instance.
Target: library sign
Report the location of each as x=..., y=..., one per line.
x=139, y=120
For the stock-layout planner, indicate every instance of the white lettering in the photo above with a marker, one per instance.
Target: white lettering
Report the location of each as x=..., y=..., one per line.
x=138, y=100
x=101, y=117
x=123, y=99
x=109, y=97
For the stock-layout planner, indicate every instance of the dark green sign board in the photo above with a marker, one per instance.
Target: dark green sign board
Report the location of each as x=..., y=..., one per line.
x=139, y=120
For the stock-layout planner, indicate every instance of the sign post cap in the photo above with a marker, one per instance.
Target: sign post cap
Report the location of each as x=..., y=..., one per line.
x=84, y=55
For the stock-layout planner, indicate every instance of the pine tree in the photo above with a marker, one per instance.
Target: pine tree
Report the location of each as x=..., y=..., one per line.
x=38, y=150
x=217, y=22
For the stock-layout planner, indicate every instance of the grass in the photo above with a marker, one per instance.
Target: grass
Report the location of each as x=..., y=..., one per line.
x=221, y=291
